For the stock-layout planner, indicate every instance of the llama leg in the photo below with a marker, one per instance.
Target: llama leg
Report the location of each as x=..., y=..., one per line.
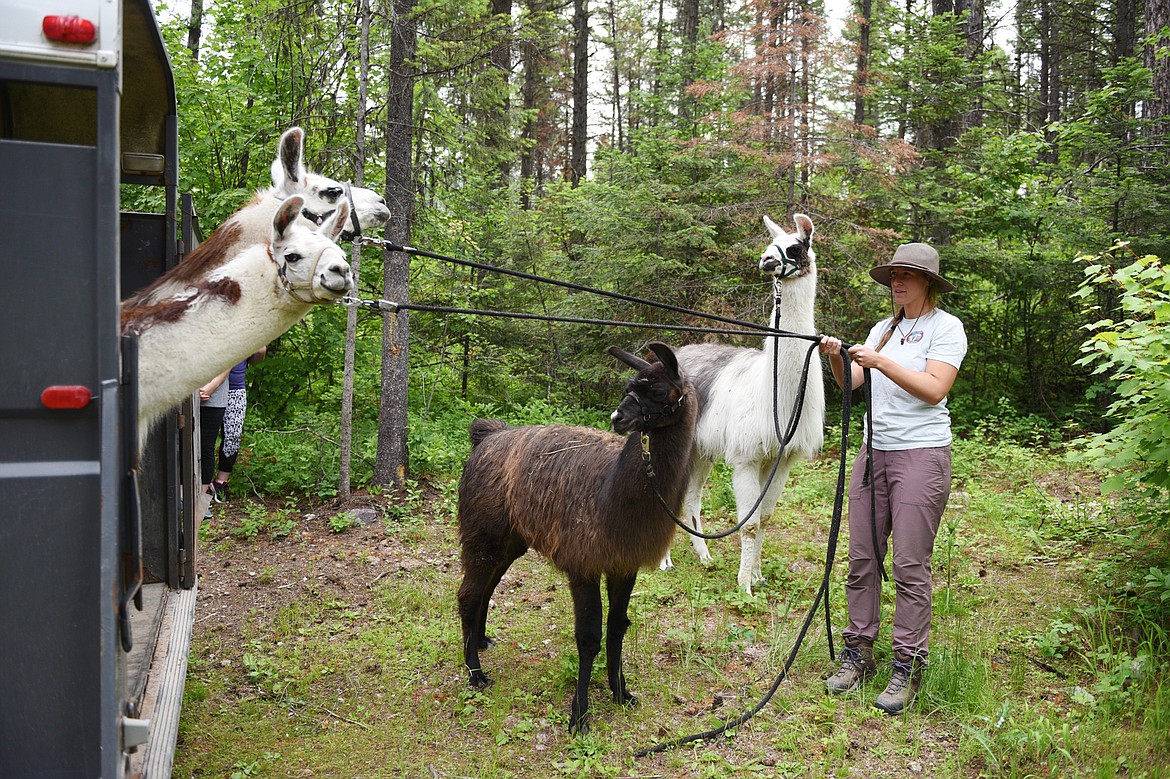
x=514, y=549
x=473, y=602
x=693, y=505
x=482, y=570
x=752, y=542
x=587, y=615
x=747, y=486
x=617, y=624
x=691, y=508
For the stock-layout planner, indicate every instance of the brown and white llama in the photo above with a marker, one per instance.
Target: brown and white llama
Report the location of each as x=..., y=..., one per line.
x=585, y=499
x=252, y=224
x=204, y=319
x=734, y=388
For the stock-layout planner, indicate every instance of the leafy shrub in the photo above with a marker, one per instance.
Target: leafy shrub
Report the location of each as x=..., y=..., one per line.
x=1135, y=353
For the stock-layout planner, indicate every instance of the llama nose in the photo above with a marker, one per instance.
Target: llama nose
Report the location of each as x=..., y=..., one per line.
x=343, y=270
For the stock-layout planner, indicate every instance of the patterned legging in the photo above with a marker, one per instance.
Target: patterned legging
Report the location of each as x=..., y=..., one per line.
x=233, y=428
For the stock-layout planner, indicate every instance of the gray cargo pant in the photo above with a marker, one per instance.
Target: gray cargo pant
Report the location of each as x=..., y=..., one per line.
x=911, y=488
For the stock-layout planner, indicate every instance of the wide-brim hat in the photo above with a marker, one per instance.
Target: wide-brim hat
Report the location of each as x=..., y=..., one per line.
x=917, y=256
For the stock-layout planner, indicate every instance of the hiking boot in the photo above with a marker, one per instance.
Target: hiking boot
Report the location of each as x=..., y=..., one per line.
x=857, y=666
x=903, y=686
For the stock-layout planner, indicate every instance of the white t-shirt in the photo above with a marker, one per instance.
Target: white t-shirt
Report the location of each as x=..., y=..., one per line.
x=900, y=420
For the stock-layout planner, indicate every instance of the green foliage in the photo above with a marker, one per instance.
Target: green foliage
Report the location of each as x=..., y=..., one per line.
x=343, y=521
x=1132, y=348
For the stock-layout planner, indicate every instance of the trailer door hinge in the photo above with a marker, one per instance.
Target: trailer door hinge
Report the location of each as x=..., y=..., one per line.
x=135, y=732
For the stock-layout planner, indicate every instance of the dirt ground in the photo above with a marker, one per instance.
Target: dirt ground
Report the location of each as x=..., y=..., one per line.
x=239, y=578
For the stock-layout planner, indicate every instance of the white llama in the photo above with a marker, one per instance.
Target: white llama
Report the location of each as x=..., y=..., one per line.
x=734, y=386
x=239, y=301
x=252, y=224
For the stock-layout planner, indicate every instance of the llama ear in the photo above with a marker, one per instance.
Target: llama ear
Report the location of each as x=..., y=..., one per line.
x=337, y=223
x=288, y=170
x=804, y=227
x=773, y=229
x=665, y=356
x=631, y=360
x=287, y=214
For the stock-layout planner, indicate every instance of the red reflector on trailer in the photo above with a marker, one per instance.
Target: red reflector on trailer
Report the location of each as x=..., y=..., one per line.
x=66, y=396
x=69, y=29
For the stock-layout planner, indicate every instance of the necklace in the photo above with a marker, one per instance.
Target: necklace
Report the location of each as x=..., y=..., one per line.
x=906, y=333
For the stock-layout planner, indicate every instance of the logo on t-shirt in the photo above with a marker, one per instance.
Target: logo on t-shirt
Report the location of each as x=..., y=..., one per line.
x=914, y=337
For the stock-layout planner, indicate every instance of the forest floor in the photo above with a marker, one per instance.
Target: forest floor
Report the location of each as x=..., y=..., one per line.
x=329, y=646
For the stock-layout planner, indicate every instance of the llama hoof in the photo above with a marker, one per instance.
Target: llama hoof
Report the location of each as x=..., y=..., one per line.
x=626, y=699
x=479, y=680
x=579, y=726
x=705, y=559
x=666, y=565
x=487, y=642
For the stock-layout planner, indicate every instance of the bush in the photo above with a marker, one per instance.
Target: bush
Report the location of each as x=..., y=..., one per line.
x=1134, y=352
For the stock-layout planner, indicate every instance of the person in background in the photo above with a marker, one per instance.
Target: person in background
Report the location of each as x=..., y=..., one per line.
x=913, y=357
x=233, y=424
x=213, y=397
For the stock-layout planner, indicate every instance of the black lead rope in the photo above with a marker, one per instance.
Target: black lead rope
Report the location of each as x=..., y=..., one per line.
x=412, y=251
x=868, y=478
x=822, y=594
x=846, y=407
x=784, y=439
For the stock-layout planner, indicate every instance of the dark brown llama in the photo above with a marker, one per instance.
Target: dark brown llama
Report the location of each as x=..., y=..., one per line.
x=584, y=499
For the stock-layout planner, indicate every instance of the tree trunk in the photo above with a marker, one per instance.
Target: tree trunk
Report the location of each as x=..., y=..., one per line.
x=1125, y=30
x=499, y=135
x=690, y=39
x=530, y=55
x=355, y=262
x=580, y=128
x=391, y=462
x=1158, y=19
x=618, y=130
x=973, y=22
x=861, y=76
x=195, y=28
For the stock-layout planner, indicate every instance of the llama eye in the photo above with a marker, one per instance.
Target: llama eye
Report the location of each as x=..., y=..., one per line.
x=292, y=257
x=794, y=252
x=332, y=193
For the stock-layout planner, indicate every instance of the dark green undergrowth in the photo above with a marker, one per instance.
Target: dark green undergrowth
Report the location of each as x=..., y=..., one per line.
x=1050, y=653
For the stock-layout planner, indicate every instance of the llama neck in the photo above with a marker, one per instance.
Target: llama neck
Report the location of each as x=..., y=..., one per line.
x=212, y=332
x=795, y=310
x=628, y=482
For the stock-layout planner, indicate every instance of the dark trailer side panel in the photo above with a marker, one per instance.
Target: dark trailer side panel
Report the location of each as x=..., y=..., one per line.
x=90, y=569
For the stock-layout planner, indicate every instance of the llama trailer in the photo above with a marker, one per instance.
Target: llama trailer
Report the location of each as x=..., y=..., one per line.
x=96, y=544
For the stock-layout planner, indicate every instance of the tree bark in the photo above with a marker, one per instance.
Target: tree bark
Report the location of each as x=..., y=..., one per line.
x=195, y=28
x=392, y=461
x=861, y=76
x=579, y=131
x=973, y=16
x=499, y=135
x=690, y=40
x=1157, y=13
x=355, y=262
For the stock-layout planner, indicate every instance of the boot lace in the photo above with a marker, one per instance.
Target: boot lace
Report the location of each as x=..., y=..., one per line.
x=901, y=676
x=851, y=658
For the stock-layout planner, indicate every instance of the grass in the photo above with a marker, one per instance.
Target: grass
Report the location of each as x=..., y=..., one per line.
x=1049, y=650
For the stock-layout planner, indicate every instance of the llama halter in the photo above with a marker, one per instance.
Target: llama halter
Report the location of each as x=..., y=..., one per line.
x=354, y=220
x=793, y=260
x=294, y=288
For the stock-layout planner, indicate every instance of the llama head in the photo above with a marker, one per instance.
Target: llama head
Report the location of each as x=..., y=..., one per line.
x=652, y=396
x=312, y=268
x=790, y=255
x=322, y=194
